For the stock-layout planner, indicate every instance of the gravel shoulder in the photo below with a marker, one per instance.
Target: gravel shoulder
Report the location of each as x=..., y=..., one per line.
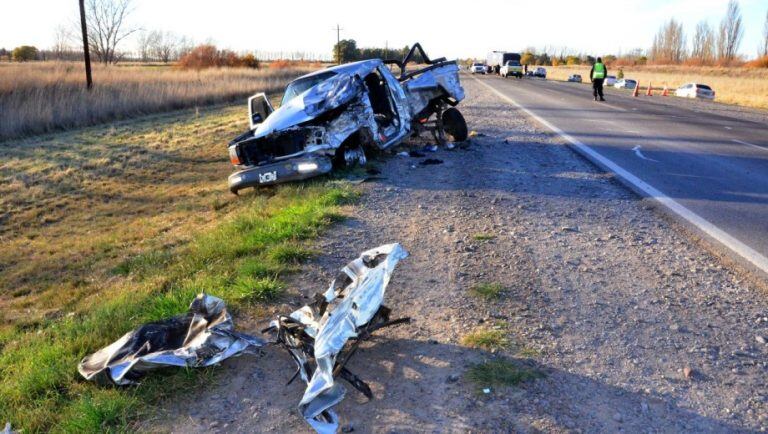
x=637, y=327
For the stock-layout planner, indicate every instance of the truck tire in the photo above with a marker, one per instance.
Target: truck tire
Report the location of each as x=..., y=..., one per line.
x=454, y=125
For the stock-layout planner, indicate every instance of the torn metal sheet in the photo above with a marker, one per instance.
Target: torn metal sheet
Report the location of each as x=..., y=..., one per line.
x=204, y=336
x=317, y=335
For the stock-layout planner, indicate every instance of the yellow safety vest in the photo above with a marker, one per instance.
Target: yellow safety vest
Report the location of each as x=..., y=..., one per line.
x=599, y=71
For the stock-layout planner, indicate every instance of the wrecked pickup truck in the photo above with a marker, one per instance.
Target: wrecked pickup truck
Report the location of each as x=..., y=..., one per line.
x=333, y=117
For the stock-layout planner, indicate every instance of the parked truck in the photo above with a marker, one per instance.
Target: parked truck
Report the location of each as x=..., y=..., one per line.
x=497, y=59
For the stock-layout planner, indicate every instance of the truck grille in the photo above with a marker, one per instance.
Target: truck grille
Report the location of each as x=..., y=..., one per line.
x=265, y=149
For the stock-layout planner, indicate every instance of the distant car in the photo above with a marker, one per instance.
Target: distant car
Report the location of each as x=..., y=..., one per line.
x=540, y=72
x=477, y=68
x=610, y=80
x=575, y=78
x=513, y=68
x=625, y=84
x=695, y=90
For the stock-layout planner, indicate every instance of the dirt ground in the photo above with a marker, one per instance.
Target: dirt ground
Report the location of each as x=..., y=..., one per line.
x=636, y=326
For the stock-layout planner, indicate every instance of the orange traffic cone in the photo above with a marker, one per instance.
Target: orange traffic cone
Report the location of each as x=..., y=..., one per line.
x=637, y=86
x=650, y=91
x=666, y=91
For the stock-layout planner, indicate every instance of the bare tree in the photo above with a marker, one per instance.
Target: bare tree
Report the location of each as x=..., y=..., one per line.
x=703, y=43
x=144, y=43
x=165, y=46
x=730, y=33
x=62, y=39
x=184, y=46
x=107, y=27
x=764, y=48
x=669, y=43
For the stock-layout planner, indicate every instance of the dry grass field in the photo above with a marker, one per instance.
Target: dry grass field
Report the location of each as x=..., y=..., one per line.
x=46, y=96
x=111, y=226
x=741, y=86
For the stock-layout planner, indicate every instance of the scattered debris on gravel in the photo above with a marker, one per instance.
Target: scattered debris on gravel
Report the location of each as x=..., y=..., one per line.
x=602, y=303
x=316, y=335
x=204, y=336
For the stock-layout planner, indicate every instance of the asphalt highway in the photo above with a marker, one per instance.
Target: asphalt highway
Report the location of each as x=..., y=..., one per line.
x=709, y=169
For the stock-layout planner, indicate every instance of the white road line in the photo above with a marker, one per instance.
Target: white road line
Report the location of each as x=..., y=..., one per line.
x=640, y=154
x=614, y=107
x=750, y=144
x=741, y=249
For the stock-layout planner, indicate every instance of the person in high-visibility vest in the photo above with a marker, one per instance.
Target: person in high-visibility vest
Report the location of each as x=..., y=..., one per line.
x=597, y=75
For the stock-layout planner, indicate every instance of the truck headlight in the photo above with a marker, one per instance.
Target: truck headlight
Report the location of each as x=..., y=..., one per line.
x=306, y=167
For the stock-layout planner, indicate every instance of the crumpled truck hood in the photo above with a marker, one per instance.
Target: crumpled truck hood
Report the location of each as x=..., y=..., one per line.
x=321, y=98
x=288, y=115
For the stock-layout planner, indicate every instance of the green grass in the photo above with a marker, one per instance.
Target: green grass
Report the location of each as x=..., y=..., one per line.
x=487, y=290
x=528, y=352
x=483, y=237
x=240, y=260
x=500, y=372
x=486, y=339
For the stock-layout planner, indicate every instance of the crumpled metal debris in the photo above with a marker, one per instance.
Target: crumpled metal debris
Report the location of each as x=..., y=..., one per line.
x=204, y=336
x=317, y=335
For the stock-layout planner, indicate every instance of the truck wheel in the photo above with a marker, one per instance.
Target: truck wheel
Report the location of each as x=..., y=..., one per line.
x=350, y=156
x=454, y=124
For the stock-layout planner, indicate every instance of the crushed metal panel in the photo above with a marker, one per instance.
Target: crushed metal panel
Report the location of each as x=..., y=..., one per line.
x=338, y=105
x=204, y=336
x=318, y=332
x=423, y=88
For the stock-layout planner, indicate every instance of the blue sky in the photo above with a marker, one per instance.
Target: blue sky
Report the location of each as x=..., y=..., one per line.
x=445, y=28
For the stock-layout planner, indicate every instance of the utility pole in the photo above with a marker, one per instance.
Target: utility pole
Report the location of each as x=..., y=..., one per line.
x=338, y=44
x=86, y=51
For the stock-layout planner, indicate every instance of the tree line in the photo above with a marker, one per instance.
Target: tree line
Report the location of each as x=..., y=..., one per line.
x=709, y=45
x=346, y=50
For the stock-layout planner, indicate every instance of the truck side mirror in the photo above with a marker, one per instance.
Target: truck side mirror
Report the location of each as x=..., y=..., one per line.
x=259, y=109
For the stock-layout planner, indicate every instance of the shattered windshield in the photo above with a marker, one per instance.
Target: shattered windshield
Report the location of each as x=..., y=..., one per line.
x=301, y=85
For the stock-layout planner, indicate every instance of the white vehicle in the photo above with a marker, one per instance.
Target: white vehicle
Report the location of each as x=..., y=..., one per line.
x=331, y=117
x=695, y=90
x=574, y=78
x=625, y=84
x=477, y=68
x=513, y=68
x=610, y=80
x=540, y=72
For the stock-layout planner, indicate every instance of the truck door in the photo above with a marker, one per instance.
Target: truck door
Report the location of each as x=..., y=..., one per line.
x=398, y=100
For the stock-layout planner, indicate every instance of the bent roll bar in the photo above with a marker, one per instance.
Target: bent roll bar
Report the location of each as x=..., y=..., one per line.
x=402, y=64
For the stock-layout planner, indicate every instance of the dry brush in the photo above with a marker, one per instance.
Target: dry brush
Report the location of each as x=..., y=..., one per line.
x=49, y=96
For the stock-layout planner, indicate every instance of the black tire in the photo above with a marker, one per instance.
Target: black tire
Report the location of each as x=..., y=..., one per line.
x=349, y=155
x=454, y=125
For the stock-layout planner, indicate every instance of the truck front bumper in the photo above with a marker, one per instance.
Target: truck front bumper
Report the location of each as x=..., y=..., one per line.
x=295, y=169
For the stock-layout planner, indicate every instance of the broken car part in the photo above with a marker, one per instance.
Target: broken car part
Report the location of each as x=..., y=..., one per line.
x=333, y=116
x=204, y=336
x=318, y=335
